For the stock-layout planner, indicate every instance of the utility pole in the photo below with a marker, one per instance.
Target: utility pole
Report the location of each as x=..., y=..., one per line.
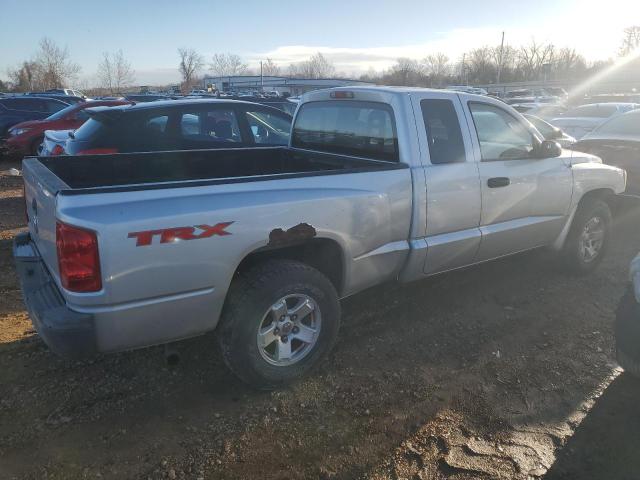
x=462, y=79
x=500, y=61
x=261, y=78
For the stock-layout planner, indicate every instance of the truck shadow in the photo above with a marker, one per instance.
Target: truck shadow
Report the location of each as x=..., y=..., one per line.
x=605, y=444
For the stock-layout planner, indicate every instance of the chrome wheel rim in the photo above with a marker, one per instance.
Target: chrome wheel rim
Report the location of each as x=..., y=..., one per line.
x=289, y=330
x=592, y=239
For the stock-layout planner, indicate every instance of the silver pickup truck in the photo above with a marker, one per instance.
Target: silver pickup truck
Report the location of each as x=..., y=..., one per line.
x=378, y=184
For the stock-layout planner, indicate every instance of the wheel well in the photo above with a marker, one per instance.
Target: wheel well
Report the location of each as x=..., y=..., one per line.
x=605, y=194
x=320, y=253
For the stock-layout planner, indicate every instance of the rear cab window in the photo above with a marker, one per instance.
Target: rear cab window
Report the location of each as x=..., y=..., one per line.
x=360, y=129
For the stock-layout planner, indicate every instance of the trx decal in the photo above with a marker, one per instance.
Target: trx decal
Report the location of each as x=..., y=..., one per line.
x=168, y=235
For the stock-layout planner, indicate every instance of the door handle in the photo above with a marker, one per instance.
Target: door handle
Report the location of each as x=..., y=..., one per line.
x=498, y=182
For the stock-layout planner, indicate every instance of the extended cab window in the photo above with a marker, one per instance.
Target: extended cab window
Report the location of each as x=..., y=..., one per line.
x=443, y=131
x=362, y=129
x=501, y=135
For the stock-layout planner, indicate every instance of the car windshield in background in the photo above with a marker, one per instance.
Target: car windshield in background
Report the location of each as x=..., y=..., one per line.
x=596, y=111
x=362, y=129
x=627, y=124
x=62, y=113
x=88, y=129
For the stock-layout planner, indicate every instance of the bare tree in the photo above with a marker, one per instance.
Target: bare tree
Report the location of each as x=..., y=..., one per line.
x=481, y=67
x=24, y=77
x=227, y=65
x=406, y=71
x=115, y=72
x=54, y=66
x=568, y=63
x=631, y=40
x=437, y=67
x=270, y=68
x=318, y=66
x=190, y=63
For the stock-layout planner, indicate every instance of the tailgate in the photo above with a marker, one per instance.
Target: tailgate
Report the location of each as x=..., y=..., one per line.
x=40, y=189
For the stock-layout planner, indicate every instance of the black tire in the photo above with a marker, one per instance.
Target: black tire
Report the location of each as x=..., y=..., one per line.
x=250, y=297
x=35, y=145
x=588, y=210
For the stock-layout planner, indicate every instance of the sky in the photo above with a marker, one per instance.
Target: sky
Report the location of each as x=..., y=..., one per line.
x=355, y=35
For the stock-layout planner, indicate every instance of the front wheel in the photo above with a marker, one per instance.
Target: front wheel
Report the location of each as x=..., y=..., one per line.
x=280, y=319
x=588, y=237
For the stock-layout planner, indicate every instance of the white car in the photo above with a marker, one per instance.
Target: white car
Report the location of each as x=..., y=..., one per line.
x=54, y=142
x=581, y=120
x=545, y=111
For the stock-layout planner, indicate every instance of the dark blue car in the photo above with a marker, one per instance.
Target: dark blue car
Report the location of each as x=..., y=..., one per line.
x=14, y=110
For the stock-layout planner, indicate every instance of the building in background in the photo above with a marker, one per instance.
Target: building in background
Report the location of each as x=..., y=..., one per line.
x=286, y=85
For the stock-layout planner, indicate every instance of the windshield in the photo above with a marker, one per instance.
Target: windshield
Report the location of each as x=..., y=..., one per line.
x=62, y=113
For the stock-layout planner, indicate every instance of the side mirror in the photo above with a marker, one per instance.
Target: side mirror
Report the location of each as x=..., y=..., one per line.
x=549, y=149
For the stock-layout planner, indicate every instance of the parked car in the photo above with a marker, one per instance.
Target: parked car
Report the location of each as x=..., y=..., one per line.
x=579, y=121
x=64, y=98
x=282, y=104
x=25, y=138
x=66, y=91
x=545, y=111
x=549, y=132
x=627, y=326
x=54, y=142
x=467, y=89
x=617, y=142
x=14, y=110
x=179, y=125
x=378, y=184
x=559, y=92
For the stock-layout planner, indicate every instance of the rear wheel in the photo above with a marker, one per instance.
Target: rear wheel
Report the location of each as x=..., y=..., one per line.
x=280, y=319
x=588, y=237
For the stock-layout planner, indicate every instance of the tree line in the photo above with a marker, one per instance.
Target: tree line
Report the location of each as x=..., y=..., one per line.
x=52, y=67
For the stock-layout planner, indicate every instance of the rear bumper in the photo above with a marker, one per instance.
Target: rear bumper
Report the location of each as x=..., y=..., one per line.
x=67, y=333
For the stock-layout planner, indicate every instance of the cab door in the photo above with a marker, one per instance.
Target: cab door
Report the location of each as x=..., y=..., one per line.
x=525, y=200
x=452, y=182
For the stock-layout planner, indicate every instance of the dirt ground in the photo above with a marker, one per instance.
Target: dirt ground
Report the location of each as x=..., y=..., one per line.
x=503, y=370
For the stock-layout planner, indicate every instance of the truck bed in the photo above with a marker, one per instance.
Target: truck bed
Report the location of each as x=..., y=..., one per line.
x=140, y=170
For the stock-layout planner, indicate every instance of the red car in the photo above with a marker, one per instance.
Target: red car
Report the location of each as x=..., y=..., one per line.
x=25, y=138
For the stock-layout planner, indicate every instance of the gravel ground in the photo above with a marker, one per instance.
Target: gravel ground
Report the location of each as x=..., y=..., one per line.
x=498, y=371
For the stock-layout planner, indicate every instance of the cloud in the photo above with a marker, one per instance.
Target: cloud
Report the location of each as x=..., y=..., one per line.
x=578, y=35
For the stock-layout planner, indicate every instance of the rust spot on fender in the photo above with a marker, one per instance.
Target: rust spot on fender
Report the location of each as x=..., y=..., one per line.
x=298, y=233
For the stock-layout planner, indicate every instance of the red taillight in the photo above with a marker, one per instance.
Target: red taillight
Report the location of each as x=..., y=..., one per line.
x=97, y=151
x=341, y=94
x=57, y=150
x=78, y=259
